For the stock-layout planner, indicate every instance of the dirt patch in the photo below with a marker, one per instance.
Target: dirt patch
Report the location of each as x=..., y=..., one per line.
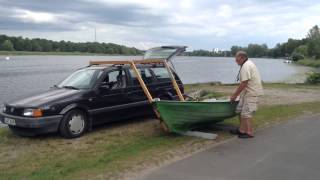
x=293, y=96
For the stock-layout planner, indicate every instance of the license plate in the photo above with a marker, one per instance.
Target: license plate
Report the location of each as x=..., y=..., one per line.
x=9, y=121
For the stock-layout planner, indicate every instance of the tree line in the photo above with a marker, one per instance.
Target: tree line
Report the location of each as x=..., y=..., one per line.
x=296, y=49
x=8, y=43
x=213, y=53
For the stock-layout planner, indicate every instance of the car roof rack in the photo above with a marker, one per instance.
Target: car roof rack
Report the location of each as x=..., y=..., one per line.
x=133, y=64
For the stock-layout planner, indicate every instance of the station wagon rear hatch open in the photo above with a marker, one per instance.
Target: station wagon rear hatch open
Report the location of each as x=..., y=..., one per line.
x=164, y=52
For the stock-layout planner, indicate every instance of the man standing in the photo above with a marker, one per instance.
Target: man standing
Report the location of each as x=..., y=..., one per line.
x=249, y=89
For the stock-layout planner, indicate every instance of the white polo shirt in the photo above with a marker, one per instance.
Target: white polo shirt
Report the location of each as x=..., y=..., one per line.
x=250, y=72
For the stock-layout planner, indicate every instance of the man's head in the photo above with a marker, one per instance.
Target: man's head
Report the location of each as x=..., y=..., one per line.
x=241, y=57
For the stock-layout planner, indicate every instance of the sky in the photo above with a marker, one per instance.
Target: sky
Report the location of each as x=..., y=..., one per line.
x=198, y=24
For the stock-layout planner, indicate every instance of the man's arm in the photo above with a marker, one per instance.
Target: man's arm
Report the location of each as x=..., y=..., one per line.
x=240, y=88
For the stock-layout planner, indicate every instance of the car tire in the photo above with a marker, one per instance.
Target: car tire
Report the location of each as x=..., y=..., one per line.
x=74, y=124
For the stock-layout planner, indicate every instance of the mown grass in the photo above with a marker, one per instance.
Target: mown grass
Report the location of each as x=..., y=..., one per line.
x=97, y=153
x=271, y=114
x=109, y=151
x=290, y=86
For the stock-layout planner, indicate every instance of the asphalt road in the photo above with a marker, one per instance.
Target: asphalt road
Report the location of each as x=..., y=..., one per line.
x=286, y=151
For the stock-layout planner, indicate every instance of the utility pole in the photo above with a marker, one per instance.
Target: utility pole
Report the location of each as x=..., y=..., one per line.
x=95, y=35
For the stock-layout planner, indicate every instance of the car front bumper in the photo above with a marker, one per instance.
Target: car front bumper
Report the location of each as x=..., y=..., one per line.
x=30, y=125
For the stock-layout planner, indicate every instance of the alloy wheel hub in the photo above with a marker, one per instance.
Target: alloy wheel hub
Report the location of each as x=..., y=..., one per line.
x=76, y=124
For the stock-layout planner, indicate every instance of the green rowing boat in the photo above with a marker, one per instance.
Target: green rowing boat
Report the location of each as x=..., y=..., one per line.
x=182, y=116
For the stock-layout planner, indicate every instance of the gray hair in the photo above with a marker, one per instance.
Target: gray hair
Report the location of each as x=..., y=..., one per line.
x=243, y=54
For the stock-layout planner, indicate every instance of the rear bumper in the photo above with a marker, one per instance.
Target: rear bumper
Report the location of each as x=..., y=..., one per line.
x=33, y=125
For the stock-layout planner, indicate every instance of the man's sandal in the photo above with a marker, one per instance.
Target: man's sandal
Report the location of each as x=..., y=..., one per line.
x=245, y=135
x=235, y=131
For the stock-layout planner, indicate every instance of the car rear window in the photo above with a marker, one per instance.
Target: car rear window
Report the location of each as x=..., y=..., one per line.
x=161, y=73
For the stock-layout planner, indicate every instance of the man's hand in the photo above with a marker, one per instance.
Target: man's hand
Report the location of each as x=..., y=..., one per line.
x=233, y=98
x=241, y=87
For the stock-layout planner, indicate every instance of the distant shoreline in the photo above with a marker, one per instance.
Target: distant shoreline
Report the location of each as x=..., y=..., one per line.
x=30, y=53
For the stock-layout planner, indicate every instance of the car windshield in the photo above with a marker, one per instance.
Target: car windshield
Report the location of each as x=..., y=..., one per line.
x=81, y=79
x=162, y=52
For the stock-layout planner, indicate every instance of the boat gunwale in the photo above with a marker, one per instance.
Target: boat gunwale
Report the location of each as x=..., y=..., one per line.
x=196, y=102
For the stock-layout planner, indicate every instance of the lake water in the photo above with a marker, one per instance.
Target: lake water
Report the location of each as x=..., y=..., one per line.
x=24, y=75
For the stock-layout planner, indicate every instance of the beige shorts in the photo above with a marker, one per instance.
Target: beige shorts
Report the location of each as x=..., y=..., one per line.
x=247, y=106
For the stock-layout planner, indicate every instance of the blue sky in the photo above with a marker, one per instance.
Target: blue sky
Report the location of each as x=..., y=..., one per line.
x=199, y=24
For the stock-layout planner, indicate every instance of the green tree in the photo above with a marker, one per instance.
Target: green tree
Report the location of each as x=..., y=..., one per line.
x=302, y=49
x=313, y=39
x=292, y=44
x=35, y=45
x=299, y=53
x=19, y=44
x=235, y=49
x=276, y=51
x=3, y=38
x=7, y=46
x=45, y=45
x=314, y=33
x=27, y=45
x=256, y=50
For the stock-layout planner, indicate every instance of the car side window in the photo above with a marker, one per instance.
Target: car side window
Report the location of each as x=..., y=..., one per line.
x=116, y=79
x=161, y=73
x=113, y=76
x=145, y=75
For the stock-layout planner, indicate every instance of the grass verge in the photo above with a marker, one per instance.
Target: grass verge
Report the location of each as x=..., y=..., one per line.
x=108, y=152
x=309, y=62
x=284, y=86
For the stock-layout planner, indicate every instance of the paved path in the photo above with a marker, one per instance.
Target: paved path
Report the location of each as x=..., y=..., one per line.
x=287, y=151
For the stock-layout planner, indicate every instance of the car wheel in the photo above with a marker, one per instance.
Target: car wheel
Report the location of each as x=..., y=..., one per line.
x=73, y=124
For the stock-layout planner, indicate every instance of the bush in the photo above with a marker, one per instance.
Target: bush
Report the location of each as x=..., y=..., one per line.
x=7, y=46
x=313, y=78
x=302, y=49
x=295, y=56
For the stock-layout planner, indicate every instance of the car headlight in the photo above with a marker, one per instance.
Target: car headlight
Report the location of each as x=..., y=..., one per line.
x=32, y=112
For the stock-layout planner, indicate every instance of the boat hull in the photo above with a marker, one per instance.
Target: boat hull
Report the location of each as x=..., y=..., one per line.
x=184, y=116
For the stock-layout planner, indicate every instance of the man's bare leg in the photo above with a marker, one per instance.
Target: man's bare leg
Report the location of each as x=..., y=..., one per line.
x=243, y=125
x=248, y=124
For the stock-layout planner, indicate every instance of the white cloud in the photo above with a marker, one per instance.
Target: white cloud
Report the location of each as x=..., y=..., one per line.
x=186, y=4
x=35, y=17
x=206, y=23
x=224, y=11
